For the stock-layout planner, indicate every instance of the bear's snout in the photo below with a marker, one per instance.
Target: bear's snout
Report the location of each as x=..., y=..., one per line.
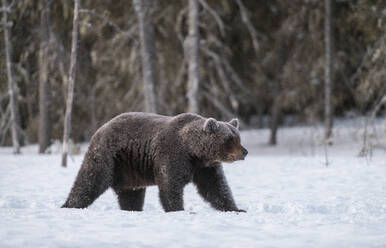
x=238, y=153
x=244, y=152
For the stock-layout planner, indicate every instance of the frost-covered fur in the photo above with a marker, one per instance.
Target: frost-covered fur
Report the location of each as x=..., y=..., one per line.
x=135, y=150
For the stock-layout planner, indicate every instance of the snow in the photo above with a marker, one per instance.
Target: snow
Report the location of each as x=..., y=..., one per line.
x=292, y=200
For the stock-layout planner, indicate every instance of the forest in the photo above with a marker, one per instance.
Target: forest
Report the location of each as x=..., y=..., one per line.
x=269, y=63
x=303, y=165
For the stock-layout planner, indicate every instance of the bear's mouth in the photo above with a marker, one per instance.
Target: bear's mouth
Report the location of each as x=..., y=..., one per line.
x=234, y=158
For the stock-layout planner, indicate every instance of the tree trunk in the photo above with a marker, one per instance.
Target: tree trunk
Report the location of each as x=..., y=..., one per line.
x=328, y=40
x=274, y=122
x=71, y=82
x=44, y=84
x=144, y=8
x=12, y=101
x=260, y=112
x=192, y=54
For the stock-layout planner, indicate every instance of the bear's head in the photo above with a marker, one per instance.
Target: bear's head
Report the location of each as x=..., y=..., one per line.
x=214, y=141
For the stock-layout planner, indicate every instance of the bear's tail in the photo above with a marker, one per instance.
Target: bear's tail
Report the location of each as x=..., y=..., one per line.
x=94, y=177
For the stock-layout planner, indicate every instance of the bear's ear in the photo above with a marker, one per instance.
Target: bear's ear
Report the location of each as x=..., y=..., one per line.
x=235, y=123
x=210, y=125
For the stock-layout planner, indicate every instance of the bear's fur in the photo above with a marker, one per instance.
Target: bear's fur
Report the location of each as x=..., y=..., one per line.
x=136, y=150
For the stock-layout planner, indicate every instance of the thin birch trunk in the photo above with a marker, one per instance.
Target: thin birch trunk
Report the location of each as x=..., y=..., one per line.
x=44, y=84
x=193, y=56
x=12, y=101
x=328, y=39
x=143, y=8
x=71, y=82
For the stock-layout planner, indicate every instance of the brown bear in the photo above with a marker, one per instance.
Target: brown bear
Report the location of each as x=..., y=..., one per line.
x=136, y=150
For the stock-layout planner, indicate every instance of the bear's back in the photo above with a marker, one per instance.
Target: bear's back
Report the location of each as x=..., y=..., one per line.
x=131, y=125
x=140, y=127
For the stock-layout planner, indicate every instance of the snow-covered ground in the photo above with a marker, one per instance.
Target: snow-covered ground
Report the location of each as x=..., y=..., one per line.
x=291, y=198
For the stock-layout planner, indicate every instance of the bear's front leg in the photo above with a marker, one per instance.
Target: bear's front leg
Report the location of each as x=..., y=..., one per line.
x=171, y=177
x=171, y=197
x=213, y=187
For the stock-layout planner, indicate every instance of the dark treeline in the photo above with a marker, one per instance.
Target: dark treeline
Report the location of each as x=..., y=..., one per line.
x=255, y=59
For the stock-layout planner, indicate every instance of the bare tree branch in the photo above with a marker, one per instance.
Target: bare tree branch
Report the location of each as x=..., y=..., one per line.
x=216, y=17
x=104, y=18
x=251, y=28
x=222, y=108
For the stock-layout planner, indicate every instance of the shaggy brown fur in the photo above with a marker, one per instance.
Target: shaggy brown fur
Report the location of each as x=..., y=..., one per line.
x=135, y=150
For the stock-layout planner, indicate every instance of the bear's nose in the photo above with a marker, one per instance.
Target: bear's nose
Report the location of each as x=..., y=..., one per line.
x=244, y=152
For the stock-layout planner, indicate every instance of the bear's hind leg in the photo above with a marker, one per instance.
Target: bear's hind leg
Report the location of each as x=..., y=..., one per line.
x=131, y=200
x=94, y=178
